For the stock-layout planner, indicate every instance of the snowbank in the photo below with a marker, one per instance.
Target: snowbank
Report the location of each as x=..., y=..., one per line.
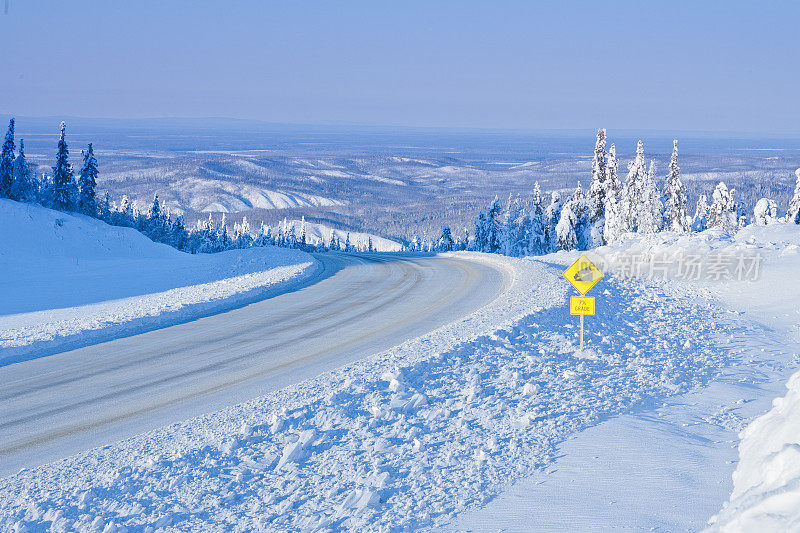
x=766, y=493
x=72, y=280
x=766, y=482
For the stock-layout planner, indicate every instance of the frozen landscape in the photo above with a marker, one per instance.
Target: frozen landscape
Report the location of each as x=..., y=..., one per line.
x=399, y=266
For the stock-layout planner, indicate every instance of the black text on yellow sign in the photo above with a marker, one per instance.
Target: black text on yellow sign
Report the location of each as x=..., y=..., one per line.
x=581, y=305
x=583, y=274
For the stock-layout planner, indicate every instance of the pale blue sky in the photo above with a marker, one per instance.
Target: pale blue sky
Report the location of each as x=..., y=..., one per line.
x=729, y=66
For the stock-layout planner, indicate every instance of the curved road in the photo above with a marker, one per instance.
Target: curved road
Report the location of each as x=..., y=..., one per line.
x=359, y=305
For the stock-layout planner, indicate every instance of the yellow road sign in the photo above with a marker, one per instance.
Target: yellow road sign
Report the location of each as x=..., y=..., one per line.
x=581, y=305
x=583, y=274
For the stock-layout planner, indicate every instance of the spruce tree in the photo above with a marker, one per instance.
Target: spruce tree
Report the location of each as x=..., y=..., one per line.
x=551, y=216
x=87, y=182
x=793, y=214
x=105, y=209
x=612, y=184
x=23, y=186
x=649, y=212
x=700, y=220
x=7, y=163
x=565, y=229
x=597, y=186
x=720, y=213
x=631, y=194
x=494, y=227
x=675, y=195
x=445, y=242
x=535, y=231
x=64, y=186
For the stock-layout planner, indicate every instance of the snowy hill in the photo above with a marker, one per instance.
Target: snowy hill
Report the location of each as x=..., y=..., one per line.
x=320, y=233
x=66, y=274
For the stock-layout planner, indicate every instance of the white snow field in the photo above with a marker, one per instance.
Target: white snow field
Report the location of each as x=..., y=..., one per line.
x=676, y=457
x=454, y=428
x=71, y=281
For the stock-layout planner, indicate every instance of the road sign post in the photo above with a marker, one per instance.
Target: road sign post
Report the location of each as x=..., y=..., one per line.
x=583, y=275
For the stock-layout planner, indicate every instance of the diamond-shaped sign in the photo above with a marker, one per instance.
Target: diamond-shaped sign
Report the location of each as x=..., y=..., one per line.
x=583, y=274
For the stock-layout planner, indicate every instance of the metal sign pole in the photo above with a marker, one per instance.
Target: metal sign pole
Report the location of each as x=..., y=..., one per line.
x=581, y=332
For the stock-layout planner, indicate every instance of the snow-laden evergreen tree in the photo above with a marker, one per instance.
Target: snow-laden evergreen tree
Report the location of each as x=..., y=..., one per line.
x=700, y=219
x=445, y=242
x=535, y=232
x=481, y=232
x=303, y=238
x=370, y=247
x=509, y=230
x=87, y=183
x=105, y=209
x=765, y=212
x=566, y=236
x=650, y=213
x=719, y=213
x=154, y=225
x=614, y=226
x=793, y=214
x=493, y=227
x=612, y=184
x=463, y=243
x=65, y=190
x=7, y=163
x=675, y=196
x=598, y=186
x=631, y=194
x=23, y=185
x=178, y=237
x=552, y=215
x=348, y=245
x=609, y=228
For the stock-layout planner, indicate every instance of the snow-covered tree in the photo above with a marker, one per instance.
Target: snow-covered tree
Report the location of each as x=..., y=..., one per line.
x=675, y=196
x=65, y=190
x=552, y=215
x=535, y=232
x=700, y=220
x=612, y=184
x=566, y=236
x=598, y=186
x=87, y=182
x=23, y=185
x=765, y=212
x=793, y=214
x=445, y=242
x=722, y=212
x=631, y=194
x=7, y=162
x=650, y=212
x=614, y=226
x=105, y=209
x=488, y=229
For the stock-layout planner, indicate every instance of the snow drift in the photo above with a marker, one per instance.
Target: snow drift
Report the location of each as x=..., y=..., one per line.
x=72, y=280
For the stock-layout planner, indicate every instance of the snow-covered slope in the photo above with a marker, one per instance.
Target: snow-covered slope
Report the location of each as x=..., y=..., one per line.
x=766, y=483
x=71, y=279
x=320, y=233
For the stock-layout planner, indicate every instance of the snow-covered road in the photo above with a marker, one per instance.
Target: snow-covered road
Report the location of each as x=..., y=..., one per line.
x=62, y=404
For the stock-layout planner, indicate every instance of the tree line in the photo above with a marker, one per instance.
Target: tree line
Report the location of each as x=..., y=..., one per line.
x=611, y=209
x=65, y=192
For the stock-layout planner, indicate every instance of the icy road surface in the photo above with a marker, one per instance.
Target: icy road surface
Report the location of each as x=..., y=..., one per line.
x=62, y=404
